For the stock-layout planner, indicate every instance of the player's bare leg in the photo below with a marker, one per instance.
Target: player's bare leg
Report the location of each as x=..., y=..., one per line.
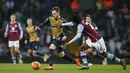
x=17, y=51
x=12, y=50
x=31, y=54
x=44, y=56
x=104, y=62
x=64, y=55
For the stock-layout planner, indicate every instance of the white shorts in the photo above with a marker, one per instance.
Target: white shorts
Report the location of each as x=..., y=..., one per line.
x=99, y=45
x=13, y=44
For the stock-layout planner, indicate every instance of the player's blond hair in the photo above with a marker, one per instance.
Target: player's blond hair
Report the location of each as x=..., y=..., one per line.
x=13, y=15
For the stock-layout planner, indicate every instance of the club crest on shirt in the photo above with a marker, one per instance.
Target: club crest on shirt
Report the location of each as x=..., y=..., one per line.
x=15, y=26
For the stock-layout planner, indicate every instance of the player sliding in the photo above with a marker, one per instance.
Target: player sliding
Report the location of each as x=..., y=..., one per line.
x=33, y=40
x=59, y=35
x=94, y=40
x=12, y=31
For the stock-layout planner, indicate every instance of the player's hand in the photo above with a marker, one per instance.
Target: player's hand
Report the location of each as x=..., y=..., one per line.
x=20, y=38
x=25, y=41
x=38, y=39
x=64, y=38
x=37, y=28
x=5, y=35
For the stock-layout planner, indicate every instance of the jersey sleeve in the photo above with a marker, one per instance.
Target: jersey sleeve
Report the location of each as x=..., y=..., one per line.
x=26, y=34
x=44, y=22
x=80, y=29
x=64, y=20
x=21, y=30
x=66, y=29
x=37, y=30
x=68, y=24
x=6, y=30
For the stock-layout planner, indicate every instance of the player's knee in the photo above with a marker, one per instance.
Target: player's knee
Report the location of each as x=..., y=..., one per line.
x=52, y=46
x=94, y=53
x=90, y=49
x=34, y=51
x=82, y=47
x=29, y=51
x=105, y=54
x=16, y=49
x=62, y=54
x=12, y=49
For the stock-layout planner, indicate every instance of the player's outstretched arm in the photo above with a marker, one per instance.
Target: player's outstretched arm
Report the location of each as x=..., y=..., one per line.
x=80, y=29
x=44, y=23
x=37, y=28
x=68, y=24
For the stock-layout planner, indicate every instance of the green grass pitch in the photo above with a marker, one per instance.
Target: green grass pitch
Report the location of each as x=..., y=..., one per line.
x=62, y=68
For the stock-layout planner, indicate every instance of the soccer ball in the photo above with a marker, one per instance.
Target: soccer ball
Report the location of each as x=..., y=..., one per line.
x=36, y=65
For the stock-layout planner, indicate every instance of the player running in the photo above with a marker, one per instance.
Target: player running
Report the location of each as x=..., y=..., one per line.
x=60, y=30
x=94, y=40
x=90, y=52
x=33, y=40
x=12, y=31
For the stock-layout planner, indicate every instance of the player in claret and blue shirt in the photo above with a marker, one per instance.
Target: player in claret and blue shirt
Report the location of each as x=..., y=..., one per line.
x=14, y=33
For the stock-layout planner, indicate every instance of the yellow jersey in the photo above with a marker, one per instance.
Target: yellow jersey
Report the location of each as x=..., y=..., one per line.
x=56, y=31
x=32, y=33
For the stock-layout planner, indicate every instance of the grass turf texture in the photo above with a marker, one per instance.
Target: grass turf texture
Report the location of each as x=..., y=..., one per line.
x=62, y=68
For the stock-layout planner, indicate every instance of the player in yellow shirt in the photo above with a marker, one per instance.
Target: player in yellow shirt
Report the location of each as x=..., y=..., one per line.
x=33, y=39
x=60, y=30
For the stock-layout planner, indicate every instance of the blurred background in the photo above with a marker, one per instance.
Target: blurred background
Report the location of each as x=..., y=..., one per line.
x=112, y=18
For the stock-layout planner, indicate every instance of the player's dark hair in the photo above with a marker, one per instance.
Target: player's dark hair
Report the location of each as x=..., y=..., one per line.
x=29, y=18
x=88, y=15
x=76, y=19
x=87, y=12
x=56, y=8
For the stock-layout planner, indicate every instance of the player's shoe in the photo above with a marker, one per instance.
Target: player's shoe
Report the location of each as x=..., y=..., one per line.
x=20, y=61
x=46, y=57
x=49, y=68
x=90, y=64
x=123, y=63
x=14, y=62
x=78, y=62
x=84, y=67
x=104, y=62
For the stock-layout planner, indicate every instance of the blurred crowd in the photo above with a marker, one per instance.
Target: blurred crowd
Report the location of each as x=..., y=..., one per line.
x=113, y=19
